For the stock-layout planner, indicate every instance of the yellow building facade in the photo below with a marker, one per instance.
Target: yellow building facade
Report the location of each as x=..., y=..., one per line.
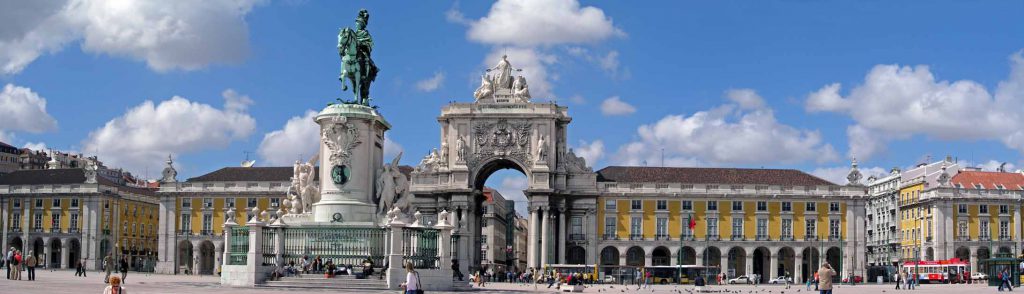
x=761, y=222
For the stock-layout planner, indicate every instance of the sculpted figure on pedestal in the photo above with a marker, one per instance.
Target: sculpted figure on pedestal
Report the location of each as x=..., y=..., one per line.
x=392, y=189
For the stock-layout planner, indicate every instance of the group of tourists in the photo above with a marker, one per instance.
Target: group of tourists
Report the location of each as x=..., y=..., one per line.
x=907, y=279
x=15, y=262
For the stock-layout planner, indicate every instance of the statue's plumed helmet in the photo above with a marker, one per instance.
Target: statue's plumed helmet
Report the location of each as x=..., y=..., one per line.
x=364, y=16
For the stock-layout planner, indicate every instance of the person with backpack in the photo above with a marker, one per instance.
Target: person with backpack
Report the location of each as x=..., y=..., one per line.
x=1004, y=279
x=30, y=264
x=17, y=265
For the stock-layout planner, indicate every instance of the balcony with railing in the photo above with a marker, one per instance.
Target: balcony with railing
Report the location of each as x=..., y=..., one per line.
x=184, y=232
x=73, y=230
x=37, y=230
x=577, y=237
x=737, y=238
x=963, y=238
x=762, y=238
x=713, y=237
x=1005, y=238
x=985, y=238
x=786, y=238
x=609, y=237
x=15, y=229
x=834, y=238
x=206, y=232
x=636, y=237
x=686, y=237
x=811, y=238
x=55, y=230
x=662, y=237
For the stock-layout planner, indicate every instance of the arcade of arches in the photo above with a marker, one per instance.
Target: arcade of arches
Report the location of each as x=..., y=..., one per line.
x=53, y=252
x=763, y=261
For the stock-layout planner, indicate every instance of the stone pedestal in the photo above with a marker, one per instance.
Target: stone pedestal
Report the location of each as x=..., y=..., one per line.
x=351, y=154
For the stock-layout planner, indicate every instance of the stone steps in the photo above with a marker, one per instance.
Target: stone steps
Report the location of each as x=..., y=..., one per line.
x=319, y=282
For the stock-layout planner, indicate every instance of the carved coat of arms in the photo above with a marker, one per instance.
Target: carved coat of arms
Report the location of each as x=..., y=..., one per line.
x=501, y=138
x=341, y=137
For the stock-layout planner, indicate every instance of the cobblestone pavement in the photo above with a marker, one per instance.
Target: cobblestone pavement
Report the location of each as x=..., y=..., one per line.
x=63, y=281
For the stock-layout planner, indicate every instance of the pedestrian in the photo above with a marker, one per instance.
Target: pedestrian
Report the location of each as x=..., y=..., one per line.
x=124, y=268
x=18, y=264
x=412, y=280
x=108, y=262
x=910, y=281
x=816, y=281
x=8, y=259
x=78, y=268
x=825, y=275
x=114, y=287
x=897, y=279
x=30, y=264
x=1004, y=279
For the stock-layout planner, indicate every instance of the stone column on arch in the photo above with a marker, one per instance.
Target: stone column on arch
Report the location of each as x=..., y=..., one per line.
x=65, y=250
x=773, y=263
x=534, y=228
x=544, y=237
x=560, y=246
x=798, y=273
x=723, y=263
x=47, y=252
x=748, y=264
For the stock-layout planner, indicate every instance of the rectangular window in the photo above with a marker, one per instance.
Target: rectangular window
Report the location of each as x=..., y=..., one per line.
x=737, y=205
x=687, y=205
x=609, y=205
x=17, y=203
x=737, y=227
x=984, y=231
x=787, y=228
x=609, y=225
x=74, y=202
x=833, y=228
x=207, y=202
x=713, y=226
x=39, y=203
x=983, y=208
x=833, y=206
x=56, y=202
x=576, y=225
x=1004, y=209
x=662, y=204
x=186, y=222
x=207, y=223
x=635, y=228
x=661, y=228
x=811, y=227
x=810, y=206
x=712, y=205
x=186, y=202
x=15, y=220
x=962, y=208
x=787, y=206
x=762, y=228
x=762, y=206
x=38, y=222
x=229, y=202
x=73, y=221
x=275, y=202
x=1004, y=230
x=962, y=230
x=252, y=203
x=55, y=220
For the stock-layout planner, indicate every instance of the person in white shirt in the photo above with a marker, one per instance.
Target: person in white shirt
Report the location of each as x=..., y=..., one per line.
x=412, y=280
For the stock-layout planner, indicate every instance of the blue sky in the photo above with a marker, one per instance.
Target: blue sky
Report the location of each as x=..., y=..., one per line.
x=746, y=84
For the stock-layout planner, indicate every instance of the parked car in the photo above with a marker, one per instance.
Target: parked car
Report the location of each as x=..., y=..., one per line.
x=856, y=279
x=979, y=276
x=780, y=280
x=741, y=280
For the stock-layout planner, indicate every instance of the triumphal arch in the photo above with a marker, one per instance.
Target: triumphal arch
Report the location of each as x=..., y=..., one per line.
x=503, y=129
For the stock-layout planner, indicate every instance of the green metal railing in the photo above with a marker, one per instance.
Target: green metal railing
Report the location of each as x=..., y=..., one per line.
x=239, y=246
x=343, y=246
x=419, y=247
x=267, y=254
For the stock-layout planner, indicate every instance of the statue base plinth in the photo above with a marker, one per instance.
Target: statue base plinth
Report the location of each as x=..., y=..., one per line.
x=351, y=212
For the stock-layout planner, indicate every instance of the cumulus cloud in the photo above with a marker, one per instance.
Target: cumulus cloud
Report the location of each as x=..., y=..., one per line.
x=727, y=134
x=609, y=62
x=895, y=102
x=578, y=99
x=838, y=174
x=432, y=83
x=527, y=29
x=511, y=188
x=592, y=151
x=745, y=98
x=993, y=165
x=542, y=22
x=297, y=140
x=37, y=146
x=146, y=133
x=613, y=106
x=21, y=109
x=167, y=35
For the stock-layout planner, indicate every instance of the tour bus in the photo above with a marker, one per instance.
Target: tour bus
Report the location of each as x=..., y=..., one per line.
x=939, y=271
x=680, y=274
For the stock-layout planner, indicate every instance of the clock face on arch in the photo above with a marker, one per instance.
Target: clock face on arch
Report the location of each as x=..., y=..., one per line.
x=340, y=174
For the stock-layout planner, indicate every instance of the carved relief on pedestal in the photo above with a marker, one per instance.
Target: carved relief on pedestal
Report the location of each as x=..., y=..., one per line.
x=340, y=137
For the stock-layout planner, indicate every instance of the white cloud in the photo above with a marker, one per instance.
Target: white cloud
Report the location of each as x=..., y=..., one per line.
x=234, y=101
x=613, y=106
x=512, y=189
x=36, y=146
x=745, y=98
x=300, y=136
x=146, y=133
x=727, y=134
x=526, y=30
x=993, y=165
x=432, y=83
x=391, y=148
x=896, y=102
x=838, y=174
x=592, y=151
x=167, y=35
x=578, y=99
x=21, y=109
x=540, y=22
x=534, y=64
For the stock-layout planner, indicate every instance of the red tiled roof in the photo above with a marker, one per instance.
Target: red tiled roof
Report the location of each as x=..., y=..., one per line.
x=988, y=180
x=702, y=175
